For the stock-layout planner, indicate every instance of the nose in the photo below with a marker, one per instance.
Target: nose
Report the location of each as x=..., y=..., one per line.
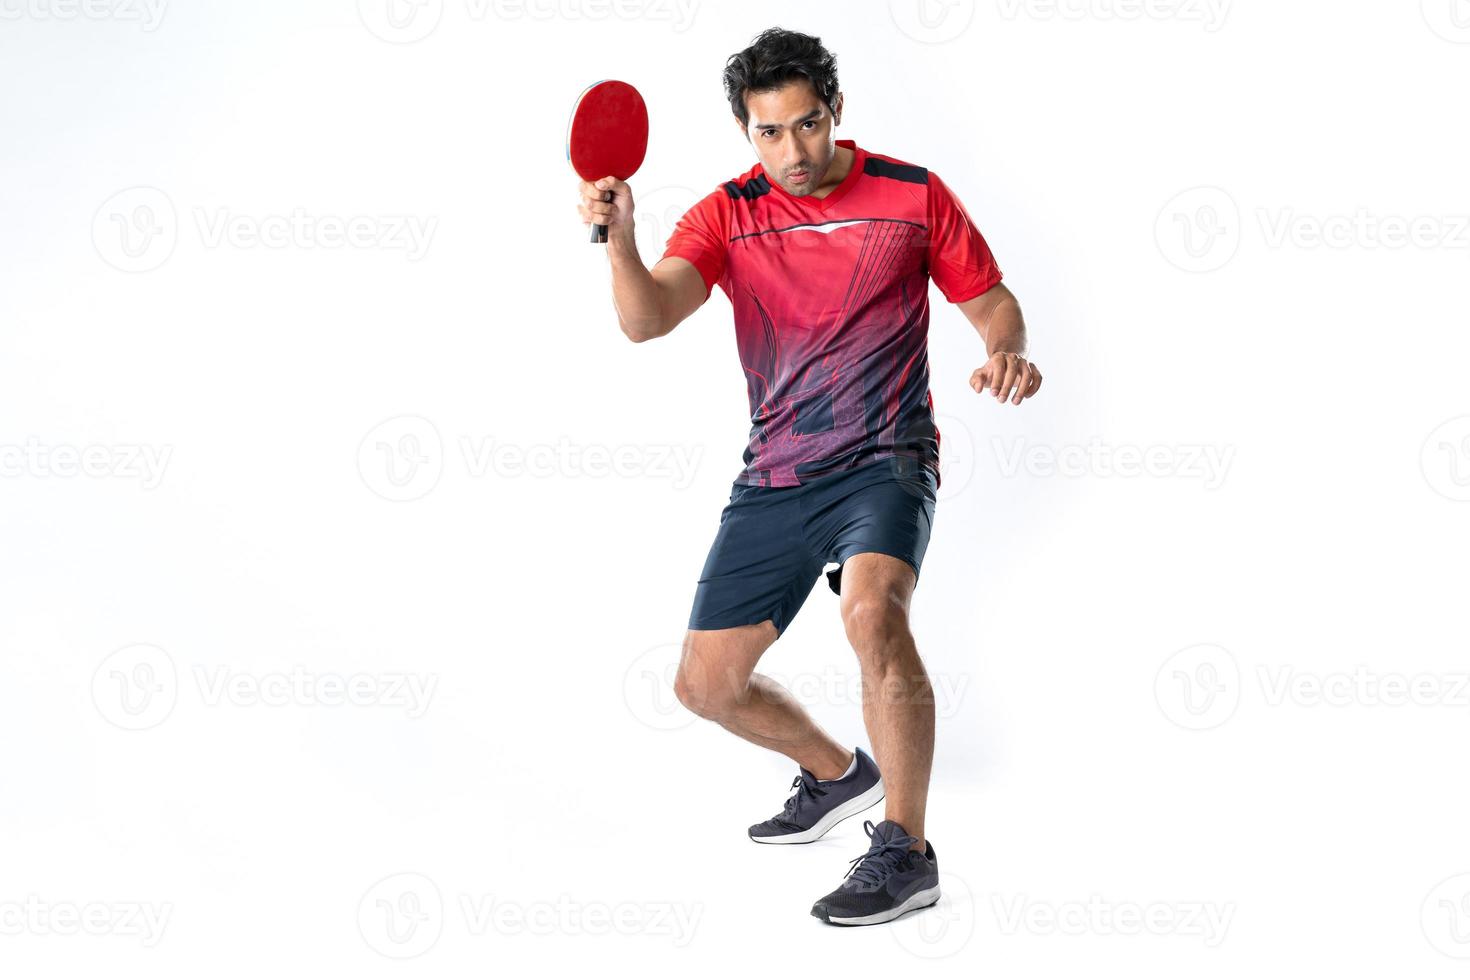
x=791, y=162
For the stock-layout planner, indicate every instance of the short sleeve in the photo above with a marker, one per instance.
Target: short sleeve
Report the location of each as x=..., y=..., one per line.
x=960, y=262
x=701, y=238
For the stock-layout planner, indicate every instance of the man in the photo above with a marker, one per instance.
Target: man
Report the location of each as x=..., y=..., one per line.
x=825, y=250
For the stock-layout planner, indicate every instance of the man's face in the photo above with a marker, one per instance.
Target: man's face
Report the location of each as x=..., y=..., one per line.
x=793, y=134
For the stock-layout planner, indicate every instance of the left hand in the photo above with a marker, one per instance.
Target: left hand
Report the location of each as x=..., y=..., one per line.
x=1005, y=373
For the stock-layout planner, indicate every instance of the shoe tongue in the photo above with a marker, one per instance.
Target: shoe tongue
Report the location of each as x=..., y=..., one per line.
x=807, y=776
x=887, y=831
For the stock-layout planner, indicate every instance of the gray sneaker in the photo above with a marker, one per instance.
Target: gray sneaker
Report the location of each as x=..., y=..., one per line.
x=817, y=806
x=884, y=883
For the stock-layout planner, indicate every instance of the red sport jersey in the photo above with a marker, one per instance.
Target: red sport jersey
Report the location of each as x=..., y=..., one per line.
x=831, y=305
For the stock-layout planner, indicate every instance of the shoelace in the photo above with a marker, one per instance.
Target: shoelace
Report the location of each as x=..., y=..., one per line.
x=805, y=793
x=883, y=857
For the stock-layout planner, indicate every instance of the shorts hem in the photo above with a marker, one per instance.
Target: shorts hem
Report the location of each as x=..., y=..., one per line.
x=834, y=577
x=706, y=624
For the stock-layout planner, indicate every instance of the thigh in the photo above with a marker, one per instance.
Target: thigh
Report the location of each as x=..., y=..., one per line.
x=716, y=664
x=884, y=509
x=758, y=567
x=878, y=583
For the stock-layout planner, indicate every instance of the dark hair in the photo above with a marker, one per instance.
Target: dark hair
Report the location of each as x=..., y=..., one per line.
x=774, y=58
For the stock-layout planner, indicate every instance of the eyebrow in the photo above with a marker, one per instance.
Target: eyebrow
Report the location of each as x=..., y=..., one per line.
x=810, y=115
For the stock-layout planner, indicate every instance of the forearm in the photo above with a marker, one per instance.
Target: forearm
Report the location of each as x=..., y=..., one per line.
x=1004, y=329
x=996, y=316
x=636, y=296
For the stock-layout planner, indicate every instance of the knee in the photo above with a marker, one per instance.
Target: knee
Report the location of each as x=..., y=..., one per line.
x=693, y=693
x=877, y=627
x=699, y=688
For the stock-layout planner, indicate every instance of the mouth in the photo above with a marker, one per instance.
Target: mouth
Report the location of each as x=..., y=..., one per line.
x=798, y=176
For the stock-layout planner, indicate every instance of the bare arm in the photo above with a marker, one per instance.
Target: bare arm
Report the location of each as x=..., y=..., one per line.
x=649, y=303
x=996, y=316
x=652, y=302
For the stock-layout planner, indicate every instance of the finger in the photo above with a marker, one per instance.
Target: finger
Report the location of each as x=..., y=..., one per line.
x=1007, y=380
x=602, y=214
x=612, y=186
x=979, y=379
x=1023, y=381
x=596, y=206
x=1035, y=381
x=997, y=375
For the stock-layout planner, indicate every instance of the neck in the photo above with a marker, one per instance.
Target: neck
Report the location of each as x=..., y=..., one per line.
x=837, y=173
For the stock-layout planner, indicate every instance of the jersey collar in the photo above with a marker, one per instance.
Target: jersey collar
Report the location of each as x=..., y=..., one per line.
x=859, y=158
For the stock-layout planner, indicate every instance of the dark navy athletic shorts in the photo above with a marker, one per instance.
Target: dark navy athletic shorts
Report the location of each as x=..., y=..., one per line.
x=774, y=541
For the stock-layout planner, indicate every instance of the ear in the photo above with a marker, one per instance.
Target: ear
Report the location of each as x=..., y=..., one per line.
x=837, y=111
x=741, y=126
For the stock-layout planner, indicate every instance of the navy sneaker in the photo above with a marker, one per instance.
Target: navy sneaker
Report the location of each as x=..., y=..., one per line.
x=817, y=805
x=884, y=883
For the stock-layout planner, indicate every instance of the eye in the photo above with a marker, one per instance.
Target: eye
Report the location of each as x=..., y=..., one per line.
x=810, y=122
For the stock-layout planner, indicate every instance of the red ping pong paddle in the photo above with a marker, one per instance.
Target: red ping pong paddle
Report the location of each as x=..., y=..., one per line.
x=607, y=135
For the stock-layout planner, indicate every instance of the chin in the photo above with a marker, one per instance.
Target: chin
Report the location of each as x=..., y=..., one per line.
x=801, y=190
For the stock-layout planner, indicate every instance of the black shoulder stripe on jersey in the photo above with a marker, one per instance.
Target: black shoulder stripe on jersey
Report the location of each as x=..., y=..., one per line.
x=897, y=171
x=750, y=190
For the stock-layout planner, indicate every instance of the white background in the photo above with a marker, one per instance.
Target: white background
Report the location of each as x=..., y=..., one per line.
x=1172, y=693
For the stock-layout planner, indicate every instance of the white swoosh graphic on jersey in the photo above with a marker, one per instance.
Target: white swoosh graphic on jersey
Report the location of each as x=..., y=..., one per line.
x=826, y=229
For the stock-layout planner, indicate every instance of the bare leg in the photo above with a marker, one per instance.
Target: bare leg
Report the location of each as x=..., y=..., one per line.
x=898, y=701
x=717, y=681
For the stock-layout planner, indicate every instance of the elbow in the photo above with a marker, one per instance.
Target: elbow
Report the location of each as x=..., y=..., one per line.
x=643, y=329
x=639, y=334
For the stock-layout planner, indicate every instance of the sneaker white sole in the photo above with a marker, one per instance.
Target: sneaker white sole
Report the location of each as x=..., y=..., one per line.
x=918, y=900
x=838, y=814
